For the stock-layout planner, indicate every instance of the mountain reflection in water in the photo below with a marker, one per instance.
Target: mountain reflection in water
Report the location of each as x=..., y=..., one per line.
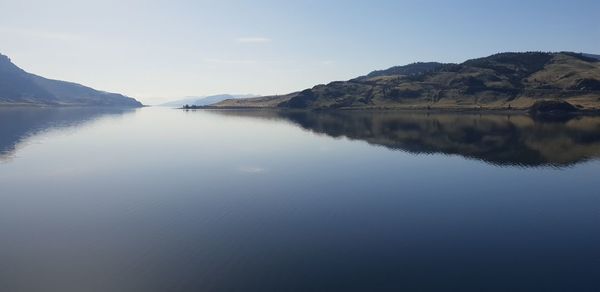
x=166, y=200
x=17, y=124
x=515, y=140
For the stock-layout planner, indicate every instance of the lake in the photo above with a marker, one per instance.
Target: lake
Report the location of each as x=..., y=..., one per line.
x=158, y=199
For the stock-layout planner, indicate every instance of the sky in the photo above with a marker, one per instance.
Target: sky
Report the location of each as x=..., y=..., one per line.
x=157, y=51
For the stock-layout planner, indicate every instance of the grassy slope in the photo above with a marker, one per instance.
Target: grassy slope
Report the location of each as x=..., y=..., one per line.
x=501, y=81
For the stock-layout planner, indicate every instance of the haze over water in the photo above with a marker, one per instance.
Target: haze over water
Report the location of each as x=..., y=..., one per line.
x=166, y=200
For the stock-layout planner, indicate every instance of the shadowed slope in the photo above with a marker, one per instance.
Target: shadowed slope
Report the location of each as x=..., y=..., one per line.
x=18, y=87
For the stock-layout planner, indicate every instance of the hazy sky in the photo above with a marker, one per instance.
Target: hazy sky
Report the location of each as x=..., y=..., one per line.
x=160, y=50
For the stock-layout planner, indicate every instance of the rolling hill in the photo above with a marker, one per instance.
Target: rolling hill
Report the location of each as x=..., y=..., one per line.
x=500, y=81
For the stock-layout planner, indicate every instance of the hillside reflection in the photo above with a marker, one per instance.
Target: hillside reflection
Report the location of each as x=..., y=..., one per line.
x=18, y=124
x=515, y=140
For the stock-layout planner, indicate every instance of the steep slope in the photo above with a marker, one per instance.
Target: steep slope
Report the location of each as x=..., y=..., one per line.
x=501, y=81
x=18, y=87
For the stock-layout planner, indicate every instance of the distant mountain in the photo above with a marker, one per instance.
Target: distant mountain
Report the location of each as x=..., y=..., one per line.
x=592, y=56
x=18, y=87
x=500, y=81
x=205, y=100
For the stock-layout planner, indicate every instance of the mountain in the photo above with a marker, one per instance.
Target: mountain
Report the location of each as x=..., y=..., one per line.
x=205, y=100
x=592, y=56
x=500, y=81
x=18, y=87
x=410, y=69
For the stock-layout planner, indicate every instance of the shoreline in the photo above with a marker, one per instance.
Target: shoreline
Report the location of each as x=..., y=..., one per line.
x=496, y=111
x=30, y=105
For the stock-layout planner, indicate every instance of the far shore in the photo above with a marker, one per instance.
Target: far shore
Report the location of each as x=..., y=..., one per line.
x=495, y=111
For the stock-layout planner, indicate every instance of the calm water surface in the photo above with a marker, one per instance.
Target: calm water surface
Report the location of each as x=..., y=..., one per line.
x=166, y=200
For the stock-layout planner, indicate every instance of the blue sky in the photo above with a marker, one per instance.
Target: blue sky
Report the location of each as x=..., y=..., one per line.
x=161, y=50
